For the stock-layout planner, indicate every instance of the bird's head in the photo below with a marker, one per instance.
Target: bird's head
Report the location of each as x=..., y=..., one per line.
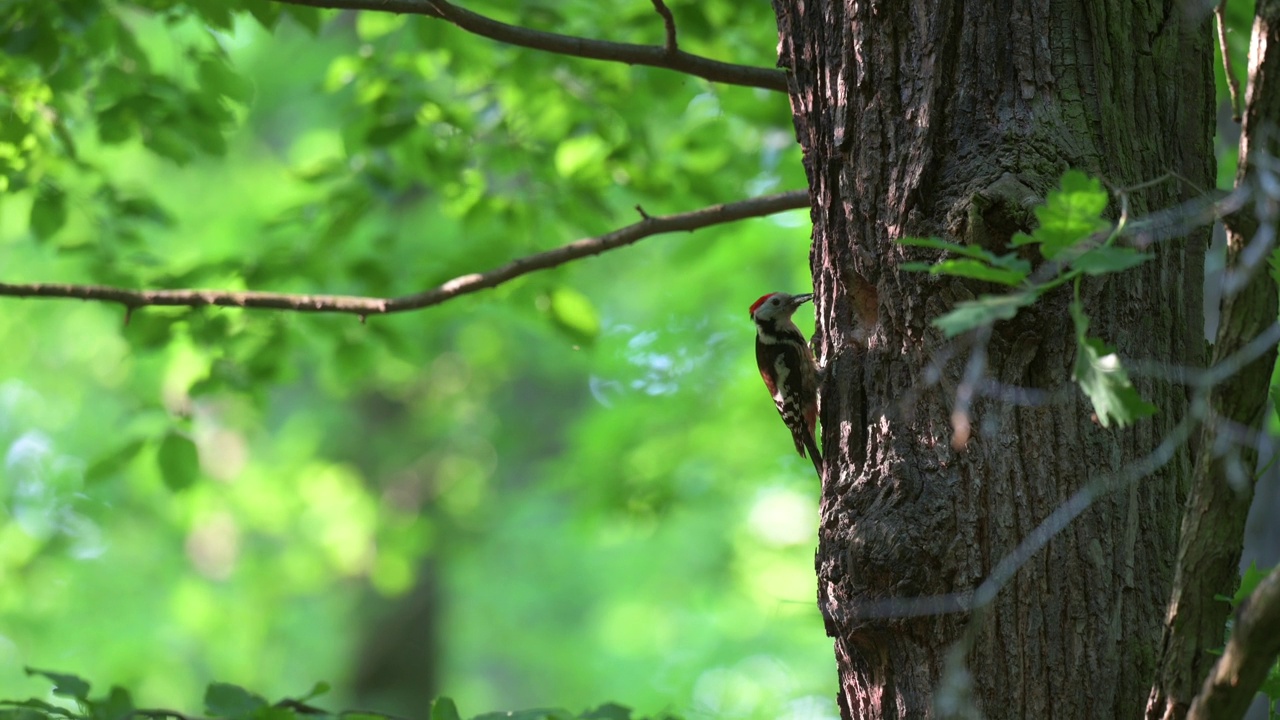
x=777, y=306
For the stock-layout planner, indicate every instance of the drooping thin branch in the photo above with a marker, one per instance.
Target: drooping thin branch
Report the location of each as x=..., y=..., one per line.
x=1066, y=513
x=1233, y=85
x=462, y=285
x=1250, y=653
x=632, y=54
x=669, y=22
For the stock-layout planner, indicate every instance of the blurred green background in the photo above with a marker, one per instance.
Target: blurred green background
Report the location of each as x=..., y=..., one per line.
x=568, y=490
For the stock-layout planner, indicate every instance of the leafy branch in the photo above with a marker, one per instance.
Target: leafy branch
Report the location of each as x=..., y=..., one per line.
x=462, y=285
x=666, y=56
x=1076, y=241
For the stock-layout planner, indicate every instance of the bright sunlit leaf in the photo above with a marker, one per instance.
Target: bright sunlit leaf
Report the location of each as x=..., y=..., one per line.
x=1071, y=213
x=574, y=313
x=1102, y=377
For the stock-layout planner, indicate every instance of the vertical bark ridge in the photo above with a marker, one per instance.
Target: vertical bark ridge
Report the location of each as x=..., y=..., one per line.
x=909, y=114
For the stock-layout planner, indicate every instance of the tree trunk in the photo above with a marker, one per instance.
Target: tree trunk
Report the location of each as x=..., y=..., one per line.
x=937, y=118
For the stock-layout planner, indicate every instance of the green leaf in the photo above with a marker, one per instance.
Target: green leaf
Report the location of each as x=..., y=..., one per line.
x=307, y=17
x=110, y=465
x=983, y=311
x=979, y=265
x=320, y=688
x=1249, y=582
x=978, y=270
x=1275, y=407
x=1070, y=214
x=1271, y=686
x=231, y=701
x=64, y=685
x=1020, y=238
x=388, y=130
x=144, y=208
x=117, y=705
x=608, y=711
x=33, y=709
x=576, y=154
x=1012, y=262
x=1107, y=259
x=216, y=76
x=48, y=212
x=373, y=25
x=1101, y=376
x=179, y=463
x=972, y=251
x=574, y=313
x=444, y=708
x=266, y=13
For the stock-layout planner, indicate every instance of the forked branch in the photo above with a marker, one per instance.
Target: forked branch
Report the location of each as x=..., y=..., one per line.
x=662, y=56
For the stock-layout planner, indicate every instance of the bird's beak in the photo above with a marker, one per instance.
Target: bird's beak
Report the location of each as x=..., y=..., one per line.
x=799, y=300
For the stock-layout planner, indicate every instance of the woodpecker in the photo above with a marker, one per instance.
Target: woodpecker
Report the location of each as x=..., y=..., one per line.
x=787, y=366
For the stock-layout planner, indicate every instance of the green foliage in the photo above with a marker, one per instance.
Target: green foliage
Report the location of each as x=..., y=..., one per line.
x=974, y=262
x=563, y=433
x=224, y=700
x=1076, y=240
x=178, y=460
x=1101, y=376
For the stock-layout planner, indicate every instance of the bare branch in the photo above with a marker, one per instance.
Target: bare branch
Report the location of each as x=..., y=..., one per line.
x=463, y=285
x=1254, y=644
x=670, y=23
x=632, y=54
x=1219, y=13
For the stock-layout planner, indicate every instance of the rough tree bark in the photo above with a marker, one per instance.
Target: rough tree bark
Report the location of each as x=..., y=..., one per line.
x=936, y=118
x=1222, y=485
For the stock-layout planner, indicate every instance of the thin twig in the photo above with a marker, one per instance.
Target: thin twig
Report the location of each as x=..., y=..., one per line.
x=651, y=55
x=1233, y=85
x=670, y=23
x=1035, y=541
x=462, y=285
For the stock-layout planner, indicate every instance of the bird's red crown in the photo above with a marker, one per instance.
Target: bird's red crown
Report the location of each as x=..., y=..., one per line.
x=760, y=302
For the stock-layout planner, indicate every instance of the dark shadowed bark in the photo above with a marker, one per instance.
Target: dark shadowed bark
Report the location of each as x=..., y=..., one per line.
x=1212, y=532
x=950, y=119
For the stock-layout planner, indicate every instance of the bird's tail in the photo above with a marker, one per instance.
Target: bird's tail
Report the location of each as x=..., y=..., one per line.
x=812, y=446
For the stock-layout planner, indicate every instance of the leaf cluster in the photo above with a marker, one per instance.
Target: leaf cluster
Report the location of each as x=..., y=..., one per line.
x=375, y=155
x=233, y=702
x=1075, y=241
